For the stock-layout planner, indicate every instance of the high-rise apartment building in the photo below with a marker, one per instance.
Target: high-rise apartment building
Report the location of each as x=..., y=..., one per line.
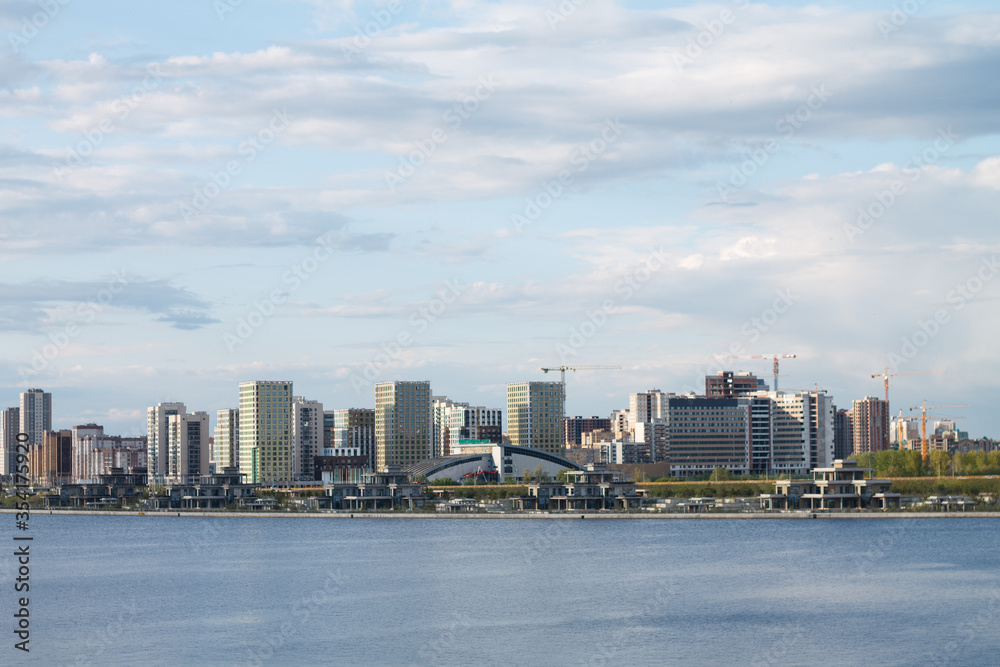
x=10, y=426
x=646, y=406
x=307, y=437
x=158, y=440
x=51, y=460
x=355, y=428
x=535, y=413
x=94, y=453
x=403, y=427
x=575, y=427
x=35, y=414
x=441, y=434
x=870, y=422
x=188, y=451
x=226, y=442
x=802, y=431
x=266, y=432
x=843, y=435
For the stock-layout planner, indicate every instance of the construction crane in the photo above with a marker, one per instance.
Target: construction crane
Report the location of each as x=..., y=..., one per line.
x=762, y=356
x=888, y=375
x=902, y=432
x=923, y=422
x=562, y=370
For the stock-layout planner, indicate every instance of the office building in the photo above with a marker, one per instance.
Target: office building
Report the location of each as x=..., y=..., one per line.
x=403, y=427
x=265, y=414
x=726, y=384
x=535, y=413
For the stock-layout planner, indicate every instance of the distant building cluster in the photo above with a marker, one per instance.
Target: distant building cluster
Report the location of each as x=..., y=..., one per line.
x=273, y=437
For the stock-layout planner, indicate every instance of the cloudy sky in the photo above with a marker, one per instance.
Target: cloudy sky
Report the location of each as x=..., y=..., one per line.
x=202, y=192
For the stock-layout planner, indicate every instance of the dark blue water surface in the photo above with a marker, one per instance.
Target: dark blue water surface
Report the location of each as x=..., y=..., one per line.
x=193, y=591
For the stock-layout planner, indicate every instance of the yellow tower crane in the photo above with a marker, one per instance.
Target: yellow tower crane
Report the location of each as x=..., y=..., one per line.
x=923, y=422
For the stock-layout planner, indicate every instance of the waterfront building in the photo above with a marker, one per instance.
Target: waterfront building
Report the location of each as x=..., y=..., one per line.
x=265, y=415
x=35, y=414
x=355, y=427
x=593, y=488
x=844, y=485
x=402, y=423
x=535, y=413
x=226, y=443
x=870, y=425
x=307, y=437
x=10, y=426
x=157, y=438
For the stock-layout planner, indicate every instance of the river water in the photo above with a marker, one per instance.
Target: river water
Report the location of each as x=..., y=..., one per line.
x=109, y=590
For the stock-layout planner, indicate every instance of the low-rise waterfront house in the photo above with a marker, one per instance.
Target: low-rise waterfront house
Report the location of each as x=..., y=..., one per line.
x=593, y=488
x=843, y=486
x=951, y=503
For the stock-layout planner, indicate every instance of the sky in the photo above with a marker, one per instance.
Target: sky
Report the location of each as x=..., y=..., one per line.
x=336, y=193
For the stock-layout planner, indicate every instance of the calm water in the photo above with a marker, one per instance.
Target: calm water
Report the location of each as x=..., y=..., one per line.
x=121, y=590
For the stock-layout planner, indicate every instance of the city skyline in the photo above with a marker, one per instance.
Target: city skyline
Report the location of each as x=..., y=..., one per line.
x=350, y=193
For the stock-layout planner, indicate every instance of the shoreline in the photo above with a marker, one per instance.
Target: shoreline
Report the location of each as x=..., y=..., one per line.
x=799, y=514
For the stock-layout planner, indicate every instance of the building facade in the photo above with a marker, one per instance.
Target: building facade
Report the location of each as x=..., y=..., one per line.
x=188, y=451
x=355, y=427
x=575, y=427
x=51, y=460
x=226, y=440
x=870, y=425
x=307, y=436
x=726, y=384
x=403, y=426
x=157, y=438
x=10, y=426
x=35, y=414
x=535, y=414
x=265, y=417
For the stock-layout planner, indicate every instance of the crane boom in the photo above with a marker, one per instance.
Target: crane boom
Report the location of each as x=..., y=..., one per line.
x=886, y=375
x=562, y=370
